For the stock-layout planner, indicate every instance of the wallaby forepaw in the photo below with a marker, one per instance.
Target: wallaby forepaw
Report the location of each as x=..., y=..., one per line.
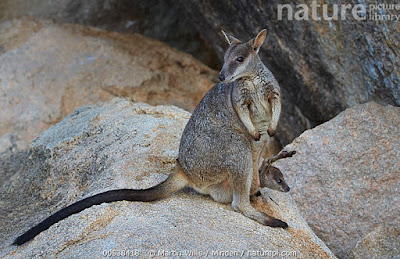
x=256, y=136
x=276, y=223
x=271, y=132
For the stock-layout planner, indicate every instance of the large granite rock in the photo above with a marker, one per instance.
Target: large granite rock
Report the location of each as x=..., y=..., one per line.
x=345, y=179
x=47, y=70
x=382, y=242
x=130, y=145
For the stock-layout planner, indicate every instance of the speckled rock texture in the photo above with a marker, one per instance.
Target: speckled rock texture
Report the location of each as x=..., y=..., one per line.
x=382, y=242
x=121, y=144
x=161, y=20
x=47, y=70
x=345, y=179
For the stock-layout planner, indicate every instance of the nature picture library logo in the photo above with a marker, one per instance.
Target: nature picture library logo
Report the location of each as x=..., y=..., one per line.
x=360, y=12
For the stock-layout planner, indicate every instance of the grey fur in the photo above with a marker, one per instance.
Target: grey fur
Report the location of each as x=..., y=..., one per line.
x=221, y=145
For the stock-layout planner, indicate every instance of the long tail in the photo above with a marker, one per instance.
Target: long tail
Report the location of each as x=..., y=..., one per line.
x=173, y=183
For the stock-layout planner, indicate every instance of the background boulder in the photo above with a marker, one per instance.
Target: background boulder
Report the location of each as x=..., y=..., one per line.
x=48, y=70
x=345, y=179
x=322, y=66
x=161, y=20
x=130, y=145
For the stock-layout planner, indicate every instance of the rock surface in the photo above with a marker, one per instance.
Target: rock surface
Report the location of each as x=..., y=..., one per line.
x=161, y=20
x=323, y=66
x=382, y=242
x=47, y=70
x=129, y=145
x=345, y=178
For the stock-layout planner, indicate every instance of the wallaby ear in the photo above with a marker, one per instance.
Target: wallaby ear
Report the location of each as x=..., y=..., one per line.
x=230, y=39
x=259, y=40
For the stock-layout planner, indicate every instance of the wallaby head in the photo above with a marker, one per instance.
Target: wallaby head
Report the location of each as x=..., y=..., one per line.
x=241, y=59
x=272, y=178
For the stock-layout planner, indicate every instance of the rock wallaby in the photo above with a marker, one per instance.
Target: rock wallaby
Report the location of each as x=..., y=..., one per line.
x=220, y=147
x=270, y=176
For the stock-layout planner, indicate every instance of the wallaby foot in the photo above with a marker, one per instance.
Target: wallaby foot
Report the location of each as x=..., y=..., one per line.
x=241, y=203
x=260, y=217
x=276, y=223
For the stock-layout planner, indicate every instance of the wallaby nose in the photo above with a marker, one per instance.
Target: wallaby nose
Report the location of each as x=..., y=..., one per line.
x=221, y=78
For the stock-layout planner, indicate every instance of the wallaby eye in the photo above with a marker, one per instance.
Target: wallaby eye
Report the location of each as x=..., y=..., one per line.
x=240, y=59
x=279, y=181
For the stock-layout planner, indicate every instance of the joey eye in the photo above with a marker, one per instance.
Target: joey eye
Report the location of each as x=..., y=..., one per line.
x=279, y=181
x=240, y=59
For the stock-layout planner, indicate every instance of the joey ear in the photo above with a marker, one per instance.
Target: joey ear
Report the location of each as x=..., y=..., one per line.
x=230, y=39
x=259, y=40
x=263, y=166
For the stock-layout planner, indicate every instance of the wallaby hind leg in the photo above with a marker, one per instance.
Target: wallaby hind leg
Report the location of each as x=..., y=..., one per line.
x=222, y=192
x=241, y=202
x=257, y=148
x=255, y=182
